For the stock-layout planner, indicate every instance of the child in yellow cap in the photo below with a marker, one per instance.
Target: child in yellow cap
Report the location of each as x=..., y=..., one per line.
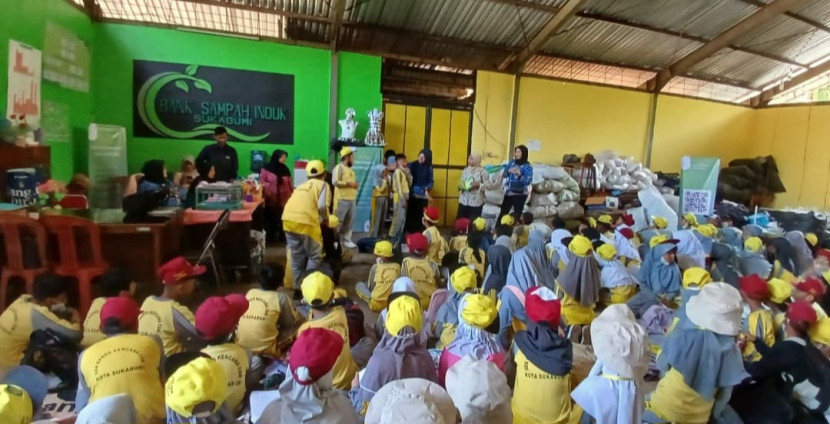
x=693, y=280
x=345, y=194
x=196, y=390
x=462, y=282
x=423, y=271
x=383, y=274
x=522, y=231
x=780, y=294
x=578, y=286
x=614, y=276
x=472, y=254
x=504, y=232
x=22, y=392
x=820, y=336
x=753, y=260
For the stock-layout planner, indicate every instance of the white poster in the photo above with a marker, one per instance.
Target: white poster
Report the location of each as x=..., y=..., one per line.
x=24, y=83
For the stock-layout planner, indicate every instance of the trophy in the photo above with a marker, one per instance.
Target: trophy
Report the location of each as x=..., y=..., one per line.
x=374, y=137
x=348, y=126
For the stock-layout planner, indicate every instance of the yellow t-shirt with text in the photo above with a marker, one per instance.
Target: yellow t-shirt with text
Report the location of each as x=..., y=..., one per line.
x=235, y=361
x=16, y=327
x=92, y=323
x=539, y=397
x=156, y=319
x=335, y=320
x=424, y=273
x=258, y=329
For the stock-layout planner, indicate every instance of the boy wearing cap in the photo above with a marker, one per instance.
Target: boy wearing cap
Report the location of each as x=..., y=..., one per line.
x=473, y=254
x=820, y=336
x=305, y=211
x=318, y=293
x=164, y=317
x=810, y=291
x=753, y=260
x=345, y=194
x=123, y=363
x=401, y=180
x=459, y=234
x=504, y=232
x=423, y=271
x=44, y=309
x=22, y=392
x=521, y=232
x=760, y=323
x=381, y=193
x=437, y=245
x=115, y=282
x=216, y=321
x=196, y=390
x=383, y=274
x=271, y=319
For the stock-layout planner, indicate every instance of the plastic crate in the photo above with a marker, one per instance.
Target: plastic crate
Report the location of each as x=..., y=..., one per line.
x=219, y=197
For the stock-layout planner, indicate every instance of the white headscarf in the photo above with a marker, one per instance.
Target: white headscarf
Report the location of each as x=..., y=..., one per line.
x=316, y=403
x=690, y=252
x=614, y=274
x=555, y=244
x=116, y=409
x=480, y=392
x=411, y=401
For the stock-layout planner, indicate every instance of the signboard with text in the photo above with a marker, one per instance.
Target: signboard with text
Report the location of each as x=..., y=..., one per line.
x=188, y=101
x=698, y=185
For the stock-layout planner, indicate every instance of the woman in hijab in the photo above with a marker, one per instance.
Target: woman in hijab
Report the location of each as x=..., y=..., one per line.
x=419, y=193
x=528, y=268
x=307, y=395
x=613, y=392
x=700, y=361
x=462, y=281
x=206, y=176
x=480, y=392
x=399, y=354
x=779, y=254
x=579, y=286
x=155, y=181
x=498, y=262
x=276, y=180
x=518, y=175
x=725, y=264
x=753, y=260
x=475, y=314
x=802, y=255
x=471, y=188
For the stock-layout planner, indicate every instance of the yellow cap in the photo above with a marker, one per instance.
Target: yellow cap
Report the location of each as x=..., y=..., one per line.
x=820, y=333
x=15, y=405
x=753, y=244
x=480, y=223
x=317, y=288
x=779, y=290
x=607, y=252
x=826, y=275
x=698, y=277
x=708, y=230
x=606, y=219
x=314, y=168
x=592, y=222
x=691, y=219
x=197, y=389
x=479, y=310
x=580, y=246
x=507, y=220
x=463, y=279
x=346, y=151
x=660, y=222
x=333, y=221
x=811, y=238
x=657, y=240
x=383, y=249
x=404, y=311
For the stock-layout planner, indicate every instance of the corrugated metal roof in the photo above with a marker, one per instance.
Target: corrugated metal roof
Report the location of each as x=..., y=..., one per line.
x=553, y=67
x=814, y=90
x=740, y=67
x=708, y=90
x=818, y=10
x=612, y=43
x=790, y=38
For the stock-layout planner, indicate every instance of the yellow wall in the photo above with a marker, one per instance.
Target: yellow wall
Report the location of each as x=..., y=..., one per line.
x=688, y=127
x=492, y=114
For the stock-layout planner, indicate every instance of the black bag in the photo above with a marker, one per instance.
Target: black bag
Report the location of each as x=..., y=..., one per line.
x=49, y=351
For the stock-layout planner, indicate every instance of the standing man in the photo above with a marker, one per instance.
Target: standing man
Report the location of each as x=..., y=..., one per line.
x=305, y=211
x=345, y=194
x=221, y=156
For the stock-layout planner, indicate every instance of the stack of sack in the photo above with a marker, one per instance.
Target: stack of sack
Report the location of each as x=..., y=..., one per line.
x=555, y=193
x=622, y=173
x=746, y=177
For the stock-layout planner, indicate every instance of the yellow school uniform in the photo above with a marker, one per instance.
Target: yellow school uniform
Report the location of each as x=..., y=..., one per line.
x=340, y=176
x=781, y=273
x=235, y=361
x=437, y=245
x=156, y=319
x=520, y=236
x=16, y=327
x=301, y=214
x=539, y=397
x=457, y=243
x=573, y=312
x=383, y=190
x=92, y=323
x=258, y=329
x=622, y=294
x=676, y=402
x=467, y=257
x=345, y=367
x=762, y=325
x=400, y=185
x=381, y=278
x=126, y=364
x=424, y=273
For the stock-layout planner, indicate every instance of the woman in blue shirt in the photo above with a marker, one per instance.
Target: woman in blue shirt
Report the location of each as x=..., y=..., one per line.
x=155, y=180
x=422, y=182
x=518, y=175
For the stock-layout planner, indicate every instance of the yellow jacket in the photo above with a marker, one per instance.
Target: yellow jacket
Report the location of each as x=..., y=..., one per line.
x=307, y=208
x=762, y=325
x=437, y=245
x=400, y=184
x=167, y=320
x=20, y=320
x=341, y=177
x=424, y=273
x=381, y=278
x=235, y=361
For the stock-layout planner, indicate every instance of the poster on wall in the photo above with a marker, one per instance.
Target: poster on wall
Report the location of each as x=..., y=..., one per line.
x=66, y=58
x=698, y=185
x=55, y=123
x=24, y=83
x=181, y=101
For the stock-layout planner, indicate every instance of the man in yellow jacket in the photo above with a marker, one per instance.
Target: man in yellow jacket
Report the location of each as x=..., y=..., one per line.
x=345, y=194
x=305, y=211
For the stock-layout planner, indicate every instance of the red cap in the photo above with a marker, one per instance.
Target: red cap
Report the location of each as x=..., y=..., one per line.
x=542, y=305
x=813, y=286
x=313, y=355
x=177, y=270
x=432, y=214
x=754, y=286
x=122, y=308
x=627, y=233
x=823, y=253
x=218, y=316
x=461, y=225
x=628, y=220
x=802, y=312
x=417, y=242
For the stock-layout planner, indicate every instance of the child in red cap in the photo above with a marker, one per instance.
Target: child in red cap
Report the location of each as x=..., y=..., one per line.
x=459, y=233
x=437, y=245
x=760, y=324
x=164, y=316
x=811, y=290
x=423, y=271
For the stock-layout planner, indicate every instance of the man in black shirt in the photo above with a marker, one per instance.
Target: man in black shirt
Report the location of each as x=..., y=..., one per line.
x=222, y=156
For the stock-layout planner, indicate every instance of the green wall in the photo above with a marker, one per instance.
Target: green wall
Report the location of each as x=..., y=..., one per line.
x=25, y=21
x=118, y=45
x=358, y=87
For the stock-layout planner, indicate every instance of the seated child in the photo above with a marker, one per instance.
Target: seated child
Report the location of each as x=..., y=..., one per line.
x=437, y=245
x=164, y=316
x=115, y=282
x=693, y=280
x=459, y=234
x=760, y=323
x=480, y=392
x=422, y=270
x=462, y=282
x=614, y=276
x=780, y=294
x=811, y=291
x=579, y=286
x=753, y=260
x=504, y=232
x=475, y=313
x=473, y=254
x=196, y=390
x=522, y=231
x=381, y=277
x=44, y=309
x=271, y=320
x=23, y=390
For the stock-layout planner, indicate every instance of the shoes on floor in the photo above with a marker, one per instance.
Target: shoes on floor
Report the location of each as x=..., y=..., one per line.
x=349, y=244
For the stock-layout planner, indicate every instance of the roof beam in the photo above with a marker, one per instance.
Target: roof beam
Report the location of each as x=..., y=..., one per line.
x=793, y=15
x=529, y=5
x=684, y=64
x=767, y=95
x=646, y=27
x=89, y=8
x=283, y=13
x=565, y=12
x=336, y=22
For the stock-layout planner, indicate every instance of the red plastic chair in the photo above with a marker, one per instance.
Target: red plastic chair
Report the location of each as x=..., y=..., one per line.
x=12, y=228
x=68, y=264
x=74, y=201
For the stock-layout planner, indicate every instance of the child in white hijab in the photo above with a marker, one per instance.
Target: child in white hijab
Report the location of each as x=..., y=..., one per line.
x=412, y=401
x=480, y=392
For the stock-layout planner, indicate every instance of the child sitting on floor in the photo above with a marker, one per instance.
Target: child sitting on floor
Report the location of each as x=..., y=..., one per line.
x=422, y=270
x=437, y=245
x=271, y=320
x=115, y=282
x=376, y=291
x=522, y=231
x=760, y=323
x=164, y=317
x=459, y=234
x=614, y=276
x=473, y=255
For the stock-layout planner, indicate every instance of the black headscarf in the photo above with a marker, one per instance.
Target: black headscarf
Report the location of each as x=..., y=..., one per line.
x=783, y=254
x=153, y=171
x=545, y=348
x=421, y=172
x=523, y=160
x=726, y=264
x=276, y=167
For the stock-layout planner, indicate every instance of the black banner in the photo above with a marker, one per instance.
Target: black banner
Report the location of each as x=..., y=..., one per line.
x=189, y=101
